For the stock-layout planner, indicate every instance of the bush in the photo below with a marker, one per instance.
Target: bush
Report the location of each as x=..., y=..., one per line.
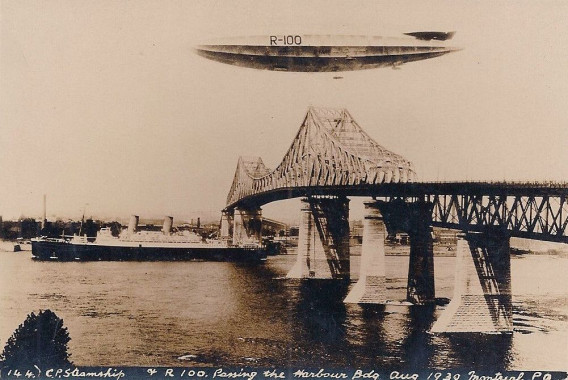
x=41, y=340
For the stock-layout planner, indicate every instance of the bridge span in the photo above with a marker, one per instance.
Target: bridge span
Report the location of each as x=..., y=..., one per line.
x=526, y=210
x=332, y=158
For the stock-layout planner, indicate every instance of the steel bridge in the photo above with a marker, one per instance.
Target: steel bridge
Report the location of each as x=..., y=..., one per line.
x=527, y=210
x=332, y=158
x=331, y=155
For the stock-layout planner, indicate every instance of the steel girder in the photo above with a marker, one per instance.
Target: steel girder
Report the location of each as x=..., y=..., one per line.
x=542, y=217
x=331, y=218
x=528, y=210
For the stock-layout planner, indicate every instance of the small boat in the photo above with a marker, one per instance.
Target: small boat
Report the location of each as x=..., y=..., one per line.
x=22, y=245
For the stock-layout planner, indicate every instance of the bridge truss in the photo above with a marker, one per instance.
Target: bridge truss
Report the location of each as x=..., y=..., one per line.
x=527, y=210
x=541, y=216
x=330, y=149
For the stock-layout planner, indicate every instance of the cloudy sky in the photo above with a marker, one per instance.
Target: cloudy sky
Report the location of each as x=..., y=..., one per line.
x=104, y=103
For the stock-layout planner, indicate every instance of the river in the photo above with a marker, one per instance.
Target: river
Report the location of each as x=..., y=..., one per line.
x=211, y=313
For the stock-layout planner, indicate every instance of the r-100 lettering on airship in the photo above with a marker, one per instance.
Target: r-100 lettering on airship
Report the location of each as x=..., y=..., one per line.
x=311, y=53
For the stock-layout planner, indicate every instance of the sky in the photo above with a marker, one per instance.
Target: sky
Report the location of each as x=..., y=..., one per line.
x=104, y=104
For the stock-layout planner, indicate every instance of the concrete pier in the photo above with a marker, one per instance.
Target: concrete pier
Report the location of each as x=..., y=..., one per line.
x=482, y=300
x=415, y=219
x=420, y=288
x=323, y=244
x=226, y=230
x=247, y=226
x=310, y=248
x=370, y=288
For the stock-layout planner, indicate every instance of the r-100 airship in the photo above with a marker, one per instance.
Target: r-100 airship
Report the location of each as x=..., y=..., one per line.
x=311, y=53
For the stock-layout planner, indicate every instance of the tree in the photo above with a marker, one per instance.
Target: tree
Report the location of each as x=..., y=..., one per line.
x=41, y=340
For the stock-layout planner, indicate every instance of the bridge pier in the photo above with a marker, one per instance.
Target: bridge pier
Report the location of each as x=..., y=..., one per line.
x=307, y=243
x=226, y=230
x=323, y=243
x=370, y=288
x=421, y=289
x=482, y=300
x=247, y=226
x=414, y=218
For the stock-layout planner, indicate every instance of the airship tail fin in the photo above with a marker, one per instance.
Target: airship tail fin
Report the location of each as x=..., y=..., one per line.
x=427, y=36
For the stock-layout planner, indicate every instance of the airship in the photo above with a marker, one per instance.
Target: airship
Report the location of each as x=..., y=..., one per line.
x=326, y=53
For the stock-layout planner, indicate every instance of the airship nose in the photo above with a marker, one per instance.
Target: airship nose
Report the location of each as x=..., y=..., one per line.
x=452, y=49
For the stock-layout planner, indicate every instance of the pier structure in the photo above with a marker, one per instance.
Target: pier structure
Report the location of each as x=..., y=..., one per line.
x=226, y=230
x=323, y=242
x=415, y=219
x=371, y=286
x=482, y=300
x=247, y=226
x=332, y=158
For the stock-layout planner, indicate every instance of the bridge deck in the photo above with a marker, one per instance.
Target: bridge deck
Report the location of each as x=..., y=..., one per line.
x=528, y=210
x=409, y=190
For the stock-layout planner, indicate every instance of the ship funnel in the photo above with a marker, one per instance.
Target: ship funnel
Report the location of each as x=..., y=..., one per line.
x=44, y=220
x=133, y=224
x=168, y=222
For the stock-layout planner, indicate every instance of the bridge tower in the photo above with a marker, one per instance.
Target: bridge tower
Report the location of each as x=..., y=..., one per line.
x=323, y=244
x=247, y=226
x=482, y=300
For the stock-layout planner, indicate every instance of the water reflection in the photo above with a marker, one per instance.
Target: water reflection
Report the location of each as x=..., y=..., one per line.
x=319, y=316
x=395, y=335
x=417, y=348
x=310, y=325
x=476, y=351
x=226, y=314
x=321, y=311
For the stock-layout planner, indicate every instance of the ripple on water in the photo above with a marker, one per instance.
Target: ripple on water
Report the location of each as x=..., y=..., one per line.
x=209, y=314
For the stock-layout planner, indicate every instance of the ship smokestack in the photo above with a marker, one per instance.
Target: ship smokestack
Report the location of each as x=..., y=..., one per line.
x=168, y=222
x=133, y=224
x=44, y=220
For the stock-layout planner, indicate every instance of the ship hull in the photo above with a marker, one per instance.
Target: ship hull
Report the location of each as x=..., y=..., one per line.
x=65, y=251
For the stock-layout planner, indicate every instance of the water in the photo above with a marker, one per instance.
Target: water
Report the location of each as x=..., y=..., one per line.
x=209, y=314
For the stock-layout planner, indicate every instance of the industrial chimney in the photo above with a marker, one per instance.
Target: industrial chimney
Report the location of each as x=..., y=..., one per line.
x=133, y=224
x=44, y=220
x=168, y=222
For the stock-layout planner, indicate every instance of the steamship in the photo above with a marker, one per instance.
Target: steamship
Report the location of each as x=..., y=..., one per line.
x=134, y=245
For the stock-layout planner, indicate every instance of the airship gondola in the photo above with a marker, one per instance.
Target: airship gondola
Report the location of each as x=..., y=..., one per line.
x=311, y=53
